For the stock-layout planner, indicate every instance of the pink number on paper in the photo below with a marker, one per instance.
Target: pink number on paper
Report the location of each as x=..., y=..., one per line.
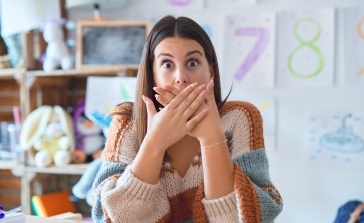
x=262, y=35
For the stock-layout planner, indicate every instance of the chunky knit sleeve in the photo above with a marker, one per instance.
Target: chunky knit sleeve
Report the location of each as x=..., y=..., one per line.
x=255, y=198
x=118, y=195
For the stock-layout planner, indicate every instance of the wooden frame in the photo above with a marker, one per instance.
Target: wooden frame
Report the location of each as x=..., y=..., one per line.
x=110, y=43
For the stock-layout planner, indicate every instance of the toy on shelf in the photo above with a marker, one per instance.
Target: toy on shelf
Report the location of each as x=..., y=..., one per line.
x=89, y=144
x=82, y=189
x=57, y=54
x=47, y=133
x=89, y=137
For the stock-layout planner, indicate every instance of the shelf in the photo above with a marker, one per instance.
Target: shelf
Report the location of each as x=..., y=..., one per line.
x=84, y=72
x=70, y=169
x=7, y=164
x=12, y=73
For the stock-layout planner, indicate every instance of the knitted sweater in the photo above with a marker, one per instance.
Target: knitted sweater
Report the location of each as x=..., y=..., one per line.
x=121, y=197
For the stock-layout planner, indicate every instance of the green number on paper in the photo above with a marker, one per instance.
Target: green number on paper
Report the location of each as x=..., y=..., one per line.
x=309, y=44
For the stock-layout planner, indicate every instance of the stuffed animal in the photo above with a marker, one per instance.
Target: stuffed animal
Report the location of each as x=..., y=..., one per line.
x=47, y=133
x=57, y=53
x=82, y=189
x=89, y=137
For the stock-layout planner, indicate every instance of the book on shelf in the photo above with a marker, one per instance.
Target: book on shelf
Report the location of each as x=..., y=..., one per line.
x=51, y=204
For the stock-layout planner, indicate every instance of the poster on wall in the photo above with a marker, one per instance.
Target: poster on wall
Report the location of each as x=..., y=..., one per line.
x=232, y=3
x=102, y=93
x=335, y=138
x=185, y=4
x=306, y=48
x=354, y=46
x=249, y=50
x=213, y=26
x=19, y=16
x=267, y=109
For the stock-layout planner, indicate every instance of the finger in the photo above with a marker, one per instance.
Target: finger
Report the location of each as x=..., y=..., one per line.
x=172, y=89
x=182, y=96
x=190, y=98
x=210, y=97
x=194, y=106
x=169, y=93
x=190, y=124
x=150, y=106
x=161, y=100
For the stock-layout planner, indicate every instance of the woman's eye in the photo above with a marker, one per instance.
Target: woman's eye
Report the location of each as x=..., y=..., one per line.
x=167, y=64
x=192, y=63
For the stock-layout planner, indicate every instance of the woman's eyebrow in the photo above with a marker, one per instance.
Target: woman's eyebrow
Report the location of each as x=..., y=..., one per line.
x=164, y=54
x=192, y=52
x=187, y=54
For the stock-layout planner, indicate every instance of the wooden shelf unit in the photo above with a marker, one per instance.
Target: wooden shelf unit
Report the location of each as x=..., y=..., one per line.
x=28, y=90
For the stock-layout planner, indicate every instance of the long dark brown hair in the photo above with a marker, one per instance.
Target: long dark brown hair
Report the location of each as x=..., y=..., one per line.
x=168, y=26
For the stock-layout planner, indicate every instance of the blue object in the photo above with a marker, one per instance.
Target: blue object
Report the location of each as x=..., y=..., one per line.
x=343, y=214
x=2, y=215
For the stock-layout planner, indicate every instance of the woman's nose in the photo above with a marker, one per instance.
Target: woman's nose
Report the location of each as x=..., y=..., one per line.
x=181, y=77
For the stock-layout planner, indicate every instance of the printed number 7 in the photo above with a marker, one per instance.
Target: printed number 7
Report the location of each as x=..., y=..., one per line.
x=263, y=38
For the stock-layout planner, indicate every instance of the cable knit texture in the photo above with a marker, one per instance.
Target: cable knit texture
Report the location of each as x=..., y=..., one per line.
x=121, y=197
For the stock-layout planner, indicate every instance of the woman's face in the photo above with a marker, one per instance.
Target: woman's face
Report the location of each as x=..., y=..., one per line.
x=180, y=62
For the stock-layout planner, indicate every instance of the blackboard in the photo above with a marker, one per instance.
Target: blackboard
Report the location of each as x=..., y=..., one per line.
x=110, y=43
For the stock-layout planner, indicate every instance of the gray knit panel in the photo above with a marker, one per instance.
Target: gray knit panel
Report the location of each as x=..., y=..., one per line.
x=107, y=169
x=255, y=165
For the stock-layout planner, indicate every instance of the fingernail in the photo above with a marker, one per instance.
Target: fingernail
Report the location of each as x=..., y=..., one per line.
x=143, y=98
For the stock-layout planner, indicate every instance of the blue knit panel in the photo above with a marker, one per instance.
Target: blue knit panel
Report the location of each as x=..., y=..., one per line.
x=255, y=165
x=107, y=169
x=268, y=207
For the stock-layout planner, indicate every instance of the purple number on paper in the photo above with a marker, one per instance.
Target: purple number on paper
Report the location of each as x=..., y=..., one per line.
x=180, y=2
x=263, y=38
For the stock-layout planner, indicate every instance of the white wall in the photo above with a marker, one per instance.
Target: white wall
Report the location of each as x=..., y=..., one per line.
x=311, y=193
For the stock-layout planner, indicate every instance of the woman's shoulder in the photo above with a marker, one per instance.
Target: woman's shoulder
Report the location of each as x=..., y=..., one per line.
x=245, y=107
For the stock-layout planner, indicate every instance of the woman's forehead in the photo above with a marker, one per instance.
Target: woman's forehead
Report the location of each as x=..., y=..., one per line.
x=177, y=45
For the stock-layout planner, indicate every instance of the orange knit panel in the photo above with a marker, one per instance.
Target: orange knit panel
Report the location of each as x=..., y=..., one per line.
x=165, y=218
x=182, y=205
x=255, y=121
x=117, y=129
x=247, y=196
x=199, y=214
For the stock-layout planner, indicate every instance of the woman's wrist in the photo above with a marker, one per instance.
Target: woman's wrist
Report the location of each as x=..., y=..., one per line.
x=212, y=140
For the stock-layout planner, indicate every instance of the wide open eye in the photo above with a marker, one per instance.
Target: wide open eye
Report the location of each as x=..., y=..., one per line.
x=192, y=63
x=167, y=64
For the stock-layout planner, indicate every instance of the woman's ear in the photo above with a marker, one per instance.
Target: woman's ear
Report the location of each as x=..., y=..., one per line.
x=212, y=72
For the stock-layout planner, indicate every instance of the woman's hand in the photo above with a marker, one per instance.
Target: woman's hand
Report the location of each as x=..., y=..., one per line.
x=178, y=118
x=212, y=119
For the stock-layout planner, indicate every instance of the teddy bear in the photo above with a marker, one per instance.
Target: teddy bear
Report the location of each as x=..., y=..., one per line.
x=47, y=133
x=57, y=53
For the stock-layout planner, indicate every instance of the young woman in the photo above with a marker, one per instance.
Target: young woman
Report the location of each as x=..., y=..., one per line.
x=180, y=153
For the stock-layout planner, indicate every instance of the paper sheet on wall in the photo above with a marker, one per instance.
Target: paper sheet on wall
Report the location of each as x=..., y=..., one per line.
x=267, y=109
x=335, y=138
x=186, y=4
x=249, y=46
x=213, y=26
x=306, y=48
x=18, y=16
x=354, y=46
x=102, y=93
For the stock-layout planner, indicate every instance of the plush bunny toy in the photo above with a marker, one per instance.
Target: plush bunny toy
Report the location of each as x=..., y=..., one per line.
x=57, y=53
x=47, y=132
